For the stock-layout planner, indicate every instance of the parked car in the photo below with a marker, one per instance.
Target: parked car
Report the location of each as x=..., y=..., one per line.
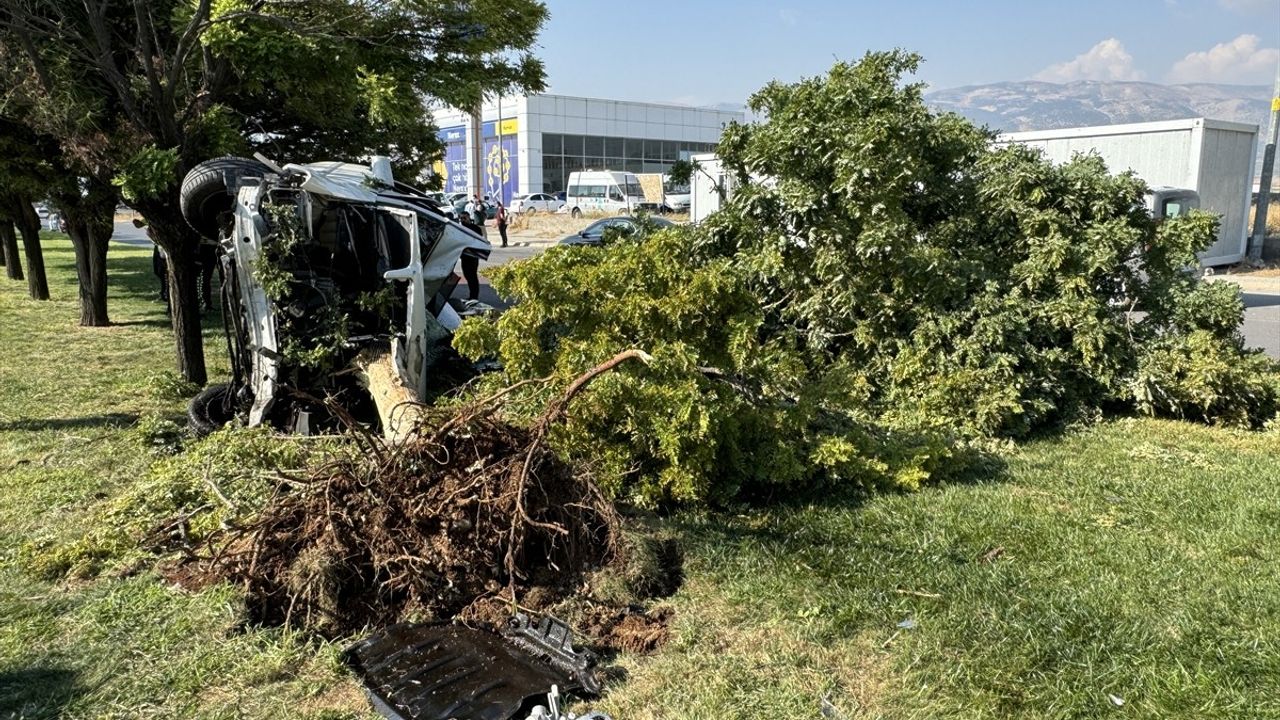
x=593, y=234
x=536, y=202
x=445, y=208
x=561, y=196
x=677, y=201
x=490, y=208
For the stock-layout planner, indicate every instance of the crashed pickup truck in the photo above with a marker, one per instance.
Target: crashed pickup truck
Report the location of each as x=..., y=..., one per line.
x=322, y=264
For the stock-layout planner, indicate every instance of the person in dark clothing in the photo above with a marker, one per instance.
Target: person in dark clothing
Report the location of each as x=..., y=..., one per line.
x=471, y=267
x=501, y=219
x=159, y=262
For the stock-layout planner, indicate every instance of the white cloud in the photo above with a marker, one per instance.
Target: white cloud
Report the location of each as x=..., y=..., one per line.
x=1240, y=61
x=1108, y=60
x=1252, y=7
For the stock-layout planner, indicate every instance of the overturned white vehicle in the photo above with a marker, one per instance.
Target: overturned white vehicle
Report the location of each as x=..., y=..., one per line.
x=322, y=263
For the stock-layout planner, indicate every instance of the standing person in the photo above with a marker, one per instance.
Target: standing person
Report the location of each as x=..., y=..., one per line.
x=501, y=217
x=478, y=215
x=471, y=269
x=469, y=210
x=159, y=262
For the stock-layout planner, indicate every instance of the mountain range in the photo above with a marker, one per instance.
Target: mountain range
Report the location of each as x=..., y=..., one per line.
x=1031, y=105
x=1034, y=105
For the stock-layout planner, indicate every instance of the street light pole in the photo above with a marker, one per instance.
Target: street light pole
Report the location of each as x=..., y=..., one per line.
x=1264, y=183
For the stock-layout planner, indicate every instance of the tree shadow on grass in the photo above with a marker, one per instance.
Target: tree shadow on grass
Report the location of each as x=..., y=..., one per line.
x=132, y=277
x=37, y=692
x=112, y=420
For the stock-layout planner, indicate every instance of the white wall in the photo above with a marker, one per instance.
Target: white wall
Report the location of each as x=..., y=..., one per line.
x=1212, y=157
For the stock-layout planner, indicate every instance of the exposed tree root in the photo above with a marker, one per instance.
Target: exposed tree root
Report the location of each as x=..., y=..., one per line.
x=468, y=507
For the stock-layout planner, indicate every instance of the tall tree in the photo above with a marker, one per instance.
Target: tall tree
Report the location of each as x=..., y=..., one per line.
x=88, y=205
x=23, y=214
x=32, y=165
x=9, y=243
x=24, y=176
x=149, y=89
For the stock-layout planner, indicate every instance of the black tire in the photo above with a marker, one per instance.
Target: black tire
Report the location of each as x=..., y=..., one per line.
x=210, y=410
x=576, y=213
x=208, y=191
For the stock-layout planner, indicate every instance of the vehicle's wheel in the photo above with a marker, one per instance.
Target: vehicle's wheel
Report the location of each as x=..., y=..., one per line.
x=576, y=213
x=211, y=409
x=207, y=191
x=530, y=210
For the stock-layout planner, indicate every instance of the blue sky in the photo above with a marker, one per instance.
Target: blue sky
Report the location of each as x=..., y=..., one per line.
x=700, y=52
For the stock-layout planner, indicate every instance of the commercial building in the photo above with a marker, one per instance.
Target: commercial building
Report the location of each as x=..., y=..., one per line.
x=531, y=143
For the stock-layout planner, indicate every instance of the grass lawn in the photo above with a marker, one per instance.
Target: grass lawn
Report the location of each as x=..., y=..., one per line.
x=1127, y=570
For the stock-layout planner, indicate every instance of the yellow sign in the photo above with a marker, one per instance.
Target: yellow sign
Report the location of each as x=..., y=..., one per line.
x=1275, y=104
x=509, y=126
x=498, y=165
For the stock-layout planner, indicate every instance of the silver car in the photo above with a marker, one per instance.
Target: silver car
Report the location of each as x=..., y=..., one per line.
x=535, y=202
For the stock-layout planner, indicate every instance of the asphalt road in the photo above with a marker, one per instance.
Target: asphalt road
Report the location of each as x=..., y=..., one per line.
x=1261, y=317
x=1262, y=322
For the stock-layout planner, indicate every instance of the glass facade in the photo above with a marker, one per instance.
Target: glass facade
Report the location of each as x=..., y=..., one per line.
x=564, y=154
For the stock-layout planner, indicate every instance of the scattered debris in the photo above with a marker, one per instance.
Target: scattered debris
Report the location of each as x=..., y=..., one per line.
x=1115, y=700
x=916, y=593
x=991, y=555
x=442, y=671
x=908, y=623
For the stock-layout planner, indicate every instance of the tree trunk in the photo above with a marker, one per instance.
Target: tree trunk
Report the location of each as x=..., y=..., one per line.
x=172, y=233
x=29, y=225
x=90, y=223
x=9, y=239
x=184, y=302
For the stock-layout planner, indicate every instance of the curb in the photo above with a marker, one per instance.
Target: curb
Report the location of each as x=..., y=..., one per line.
x=1250, y=284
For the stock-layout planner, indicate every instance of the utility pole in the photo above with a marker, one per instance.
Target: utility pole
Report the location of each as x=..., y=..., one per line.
x=1264, y=183
x=500, y=194
x=476, y=148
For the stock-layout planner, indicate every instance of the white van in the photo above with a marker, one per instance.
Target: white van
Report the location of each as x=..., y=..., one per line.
x=602, y=191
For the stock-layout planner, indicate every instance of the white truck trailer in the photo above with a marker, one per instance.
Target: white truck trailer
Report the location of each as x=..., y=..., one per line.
x=708, y=186
x=1215, y=158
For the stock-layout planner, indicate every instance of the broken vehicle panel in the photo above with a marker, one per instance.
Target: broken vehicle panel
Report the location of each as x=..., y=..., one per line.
x=437, y=672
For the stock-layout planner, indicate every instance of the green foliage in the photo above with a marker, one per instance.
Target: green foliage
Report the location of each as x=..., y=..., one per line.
x=313, y=337
x=147, y=174
x=900, y=290
x=168, y=385
x=218, y=482
x=162, y=435
x=217, y=132
x=1199, y=377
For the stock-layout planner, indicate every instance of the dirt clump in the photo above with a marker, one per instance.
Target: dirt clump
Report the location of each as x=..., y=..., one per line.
x=421, y=529
x=627, y=629
x=469, y=517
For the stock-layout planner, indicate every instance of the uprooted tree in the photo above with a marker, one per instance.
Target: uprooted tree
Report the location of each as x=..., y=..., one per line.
x=898, y=289
x=143, y=91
